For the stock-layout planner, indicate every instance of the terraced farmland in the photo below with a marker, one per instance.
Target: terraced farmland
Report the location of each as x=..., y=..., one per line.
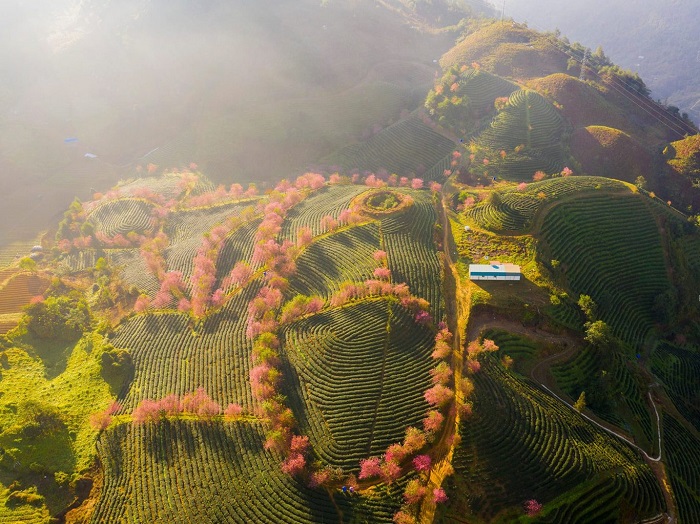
x=521, y=349
x=522, y=444
x=567, y=313
x=679, y=371
x=532, y=125
x=358, y=374
x=79, y=260
x=409, y=146
x=527, y=119
x=167, y=185
x=683, y=458
x=515, y=210
x=7, y=273
x=337, y=258
x=133, y=269
x=185, y=472
x=408, y=241
x=19, y=290
x=122, y=216
x=691, y=248
x=187, y=224
x=308, y=213
x=24, y=513
x=610, y=248
x=185, y=230
x=311, y=385
x=15, y=293
x=612, y=392
x=238, y=246
x=169, y=358
x=481, y=89
x=462, y=100
x=12, y=252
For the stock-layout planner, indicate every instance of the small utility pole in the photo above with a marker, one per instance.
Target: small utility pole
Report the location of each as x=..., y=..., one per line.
x=503, y=11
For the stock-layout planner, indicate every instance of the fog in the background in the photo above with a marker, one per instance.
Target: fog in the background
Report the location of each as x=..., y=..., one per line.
x=656, y=38
x=247, y=89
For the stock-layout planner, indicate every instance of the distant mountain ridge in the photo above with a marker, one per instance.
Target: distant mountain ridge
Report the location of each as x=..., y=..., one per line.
x=656, y=39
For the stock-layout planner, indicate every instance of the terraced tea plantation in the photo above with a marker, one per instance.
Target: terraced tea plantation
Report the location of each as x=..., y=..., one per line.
x=345, y=256
x=122, y=217
x=684, y=466
x=214, y=472
x=132, y=268
x=311, y=348
x=361, y=371
x=612, y=392
x=409, y=146
x=328, y=201
x=515, y=210
x=610, y=248
x=481, y=88
x=462, y=99
x=15, y=293
x=530, y=130
x=522, y=444
x=679, y=369
x=408, y=239
x=168, y=358
x=354, y=375
x=185, y=230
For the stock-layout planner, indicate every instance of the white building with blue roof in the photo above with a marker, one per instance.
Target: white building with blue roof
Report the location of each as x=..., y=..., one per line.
x=494, y=271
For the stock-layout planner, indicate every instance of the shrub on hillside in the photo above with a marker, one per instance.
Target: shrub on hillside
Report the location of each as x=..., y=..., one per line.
x=27, y=496
x=117, y=366
x=37, y=441
x=63, y=317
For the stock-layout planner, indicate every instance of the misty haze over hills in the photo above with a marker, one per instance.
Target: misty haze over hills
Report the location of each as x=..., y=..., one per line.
x=656, y=39
x=248, y=90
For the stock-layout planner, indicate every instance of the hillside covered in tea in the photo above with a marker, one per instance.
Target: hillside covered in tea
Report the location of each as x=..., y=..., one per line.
x=187, y=347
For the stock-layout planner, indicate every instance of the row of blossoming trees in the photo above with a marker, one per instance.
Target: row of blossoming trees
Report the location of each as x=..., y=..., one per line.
x=266, y=376
x=267, y=311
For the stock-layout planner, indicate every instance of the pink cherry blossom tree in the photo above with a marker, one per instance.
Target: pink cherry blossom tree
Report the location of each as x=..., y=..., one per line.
x=328, y=223
x=414, y=492
x=433, y=421
x=422, y=463
x=414, y=440
x=380, y=256
x=383, y=273
x=233, y=411
x=532, y=507
x=441, y=374
x=401, y=517
x=473, y=366
x=438, y=395
x=370, y=468
x=439, y=496
x=141, y=303
x=304, y=236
